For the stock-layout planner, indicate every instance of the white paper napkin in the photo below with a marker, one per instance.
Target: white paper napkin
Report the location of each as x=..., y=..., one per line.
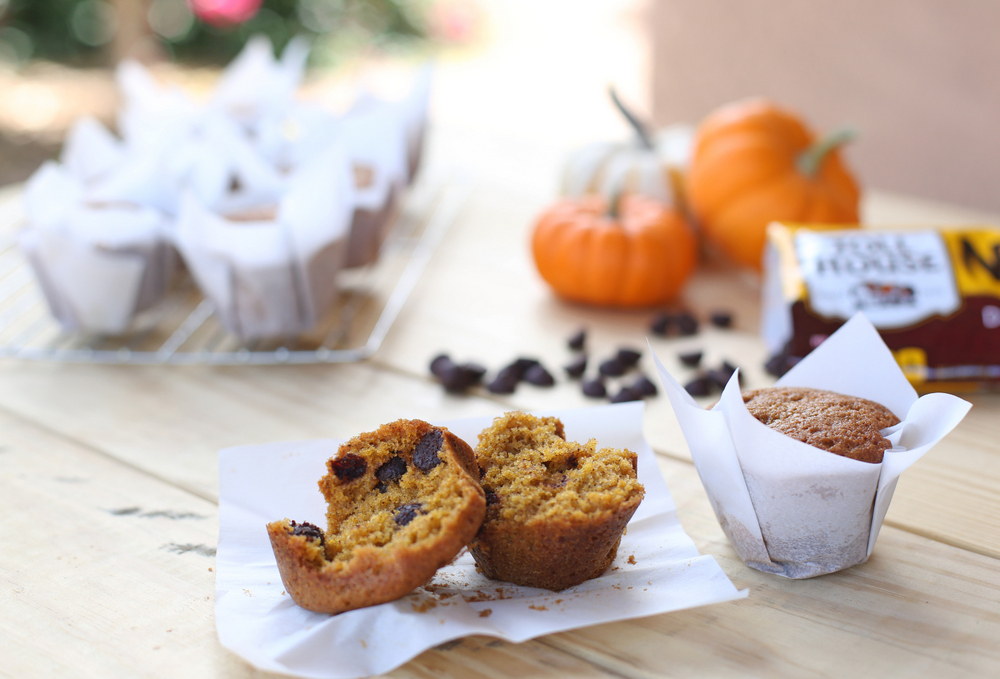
x=658, y=568
x=789, y=508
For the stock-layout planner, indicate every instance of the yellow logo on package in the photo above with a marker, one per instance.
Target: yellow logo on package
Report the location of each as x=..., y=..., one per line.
x=975, y=257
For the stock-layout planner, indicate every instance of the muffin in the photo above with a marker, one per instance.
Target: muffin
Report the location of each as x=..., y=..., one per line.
x=843, y=425
x=556, y=510
x=402, y=502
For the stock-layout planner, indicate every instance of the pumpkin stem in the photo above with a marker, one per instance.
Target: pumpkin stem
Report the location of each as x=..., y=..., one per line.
x=640, y=127
x=810, y=160
x=615, y=204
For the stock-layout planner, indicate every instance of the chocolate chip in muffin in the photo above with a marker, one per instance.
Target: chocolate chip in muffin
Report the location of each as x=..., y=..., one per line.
x=406, y=513
x=577, y=367
x=348, y=467
x=392, y=471
x=491, y=497
x=578, y=341
x=425, y=455
x=539, y=376
x=309, y=530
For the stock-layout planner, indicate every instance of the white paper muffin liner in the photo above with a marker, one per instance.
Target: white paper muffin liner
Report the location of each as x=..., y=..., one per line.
x=789, y=508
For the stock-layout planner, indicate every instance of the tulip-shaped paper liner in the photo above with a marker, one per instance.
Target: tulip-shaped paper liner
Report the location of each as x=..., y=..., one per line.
x=789, y=508
x=273, y=275
x=98, y=264
x=91, y=151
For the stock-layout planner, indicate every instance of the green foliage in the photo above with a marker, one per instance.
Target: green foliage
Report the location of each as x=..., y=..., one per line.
x=78, y=32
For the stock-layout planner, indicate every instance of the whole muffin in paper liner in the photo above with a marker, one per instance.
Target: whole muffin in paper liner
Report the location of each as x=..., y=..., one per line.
x=794, y=509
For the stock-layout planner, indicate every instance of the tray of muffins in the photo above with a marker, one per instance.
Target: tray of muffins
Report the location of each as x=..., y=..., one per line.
x=248, y=227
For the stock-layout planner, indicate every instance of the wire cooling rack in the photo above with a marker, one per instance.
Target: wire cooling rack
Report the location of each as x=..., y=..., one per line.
x=183, y=328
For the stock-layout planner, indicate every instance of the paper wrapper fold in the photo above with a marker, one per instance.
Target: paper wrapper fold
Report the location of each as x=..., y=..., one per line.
x=273, y=276
x=789, y=508
x=98, y=264
x=258, y=621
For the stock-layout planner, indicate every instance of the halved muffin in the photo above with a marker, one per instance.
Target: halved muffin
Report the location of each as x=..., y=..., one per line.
x=402, y=502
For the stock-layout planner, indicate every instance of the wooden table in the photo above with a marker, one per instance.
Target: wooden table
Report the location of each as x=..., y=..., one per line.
x=108, y=483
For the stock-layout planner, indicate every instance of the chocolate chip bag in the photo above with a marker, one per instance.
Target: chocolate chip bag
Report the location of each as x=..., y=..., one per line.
x=933, y=295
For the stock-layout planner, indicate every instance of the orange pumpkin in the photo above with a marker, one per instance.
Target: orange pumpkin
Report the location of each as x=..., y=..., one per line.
x=639, y=254
x=755, y=163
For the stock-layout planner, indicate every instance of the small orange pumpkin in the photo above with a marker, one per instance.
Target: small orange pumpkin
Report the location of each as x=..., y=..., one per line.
x=755, y=163
x=639, y=253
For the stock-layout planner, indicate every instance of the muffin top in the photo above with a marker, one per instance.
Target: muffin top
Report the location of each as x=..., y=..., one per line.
x=844, y=425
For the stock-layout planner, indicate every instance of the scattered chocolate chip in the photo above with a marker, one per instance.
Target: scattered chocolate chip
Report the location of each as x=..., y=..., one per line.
x=406, y=513
x=309, y=530
x=594, y=388
x=425, y=455
x=522, y=365
x=777, y=365
x=476, y=370
x=629, y=357
x=539, y=376
x=455, y=378
x=691, y=360
x=722, y=319
x=644, y=386
x=348, y=467
x=613, y=367
x=699, y=386
x=626, y=394
x=392, y=470
x=439, y=364
x=579, y=340
x=661, y=324
x=686, y=324
x=577, y=367
x=719, y=378
x=491, y=497
x=505, y=382
x=727, y=368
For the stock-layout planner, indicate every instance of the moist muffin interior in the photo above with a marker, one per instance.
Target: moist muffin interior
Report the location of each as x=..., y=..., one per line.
x=529, y=472
x=410, y=496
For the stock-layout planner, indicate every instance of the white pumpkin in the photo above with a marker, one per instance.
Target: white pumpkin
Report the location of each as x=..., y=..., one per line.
x=651, y=165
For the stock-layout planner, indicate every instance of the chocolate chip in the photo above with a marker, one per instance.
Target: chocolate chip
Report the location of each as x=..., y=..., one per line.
x=718, y=377
x=348, y=467
x=577, y=341
x=594, y=388
x=455, y=378
x=381, y=487
x=727, y=368
x=691, y=360
x=522, y=365
x=425, y=455
x=644, y=386
x=476, y=370
x=406, y=513
x=629, y=357
x=722, y=319
x=661, y=324
x=686, y=324
x=539, y=376
x=505, y=382
x=309, y=530
x=491, y=497
x=392, y=471
x=777, y=365
x=577, y=367
x=439, y=364
x=626, y=394
x=613, y=367
x=699, y=386
x=482, y=473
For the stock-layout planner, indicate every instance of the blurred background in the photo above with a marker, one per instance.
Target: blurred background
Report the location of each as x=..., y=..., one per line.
x=917, y=78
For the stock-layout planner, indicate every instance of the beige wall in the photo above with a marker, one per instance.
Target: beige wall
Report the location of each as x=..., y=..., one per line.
x=919, y=78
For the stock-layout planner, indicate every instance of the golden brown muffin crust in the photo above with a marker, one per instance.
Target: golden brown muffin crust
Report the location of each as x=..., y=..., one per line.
x=844, y=425
x=556, y=509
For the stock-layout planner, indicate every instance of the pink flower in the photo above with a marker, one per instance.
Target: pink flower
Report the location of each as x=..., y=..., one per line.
x=224, y=12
